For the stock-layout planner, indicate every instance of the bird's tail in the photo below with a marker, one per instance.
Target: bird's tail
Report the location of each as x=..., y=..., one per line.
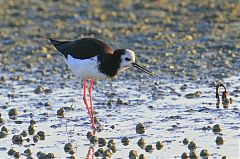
x=53, y=41
x=59, y=45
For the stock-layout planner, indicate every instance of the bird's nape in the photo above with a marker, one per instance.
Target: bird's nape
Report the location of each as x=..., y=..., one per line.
x=151, y=73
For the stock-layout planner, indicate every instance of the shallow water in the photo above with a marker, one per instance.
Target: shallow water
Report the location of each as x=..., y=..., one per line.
x=167, y=115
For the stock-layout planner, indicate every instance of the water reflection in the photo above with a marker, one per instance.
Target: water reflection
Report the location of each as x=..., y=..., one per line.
x=90, y=153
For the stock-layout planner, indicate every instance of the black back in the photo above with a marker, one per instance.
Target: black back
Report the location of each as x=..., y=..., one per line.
x=88, y=47
x=83, y=48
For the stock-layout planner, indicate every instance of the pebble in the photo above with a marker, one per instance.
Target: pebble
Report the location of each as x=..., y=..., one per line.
x=185, y=141
x=107, y=153
x=17, y=139
x=96, y=120
x=47, y=104
x=141, y=143
x=89, y=135
x=197, y=94
x=18, y=122
x=3, y=134
x=219, y=140
x=41, y=155
x=125, y=141
x=187, y=38
x=113, y=148
x=36, y=138
x=24, y=133
x=149, y=148
x=97, y=154
x=39, y=90
x=71, y=152
x=192, y=145
x=48, y=91
x=216, y=128
x=133, y=154
x=50, y=156
x=112, y=142
x=101, y=150
x=183, y=87
x=99, y=128
x=72, y=157
x=2, y=121
x=193, y=155
x=140, y=129
x=142, y=156
x=93, y=140
x=13, y=112
x=4, y=128
x=16, y=78
x=159, y=145
x=41, y=134
x=28, y=152
x=32, y=122
x=3, y=79
x=11, y=152
x=205, y=128
x=184, y=155
x=60, y=112
x=17, y=154
x=68, y=147
x=31, y=129
x=204, y=153
x=109, y=103
x=120, y=102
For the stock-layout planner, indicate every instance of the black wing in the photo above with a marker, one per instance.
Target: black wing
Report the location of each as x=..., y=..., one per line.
x=83, y=48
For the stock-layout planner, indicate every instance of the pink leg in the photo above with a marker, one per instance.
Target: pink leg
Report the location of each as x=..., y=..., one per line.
x=90, y=95
x=91, y=149
x=85, y=101
x=93, y=153
x=90, y=153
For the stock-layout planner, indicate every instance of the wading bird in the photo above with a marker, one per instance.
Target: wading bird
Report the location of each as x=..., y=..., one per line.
x=91, y=59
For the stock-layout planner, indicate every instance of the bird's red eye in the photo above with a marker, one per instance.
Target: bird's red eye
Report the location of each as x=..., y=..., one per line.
x=127, y=59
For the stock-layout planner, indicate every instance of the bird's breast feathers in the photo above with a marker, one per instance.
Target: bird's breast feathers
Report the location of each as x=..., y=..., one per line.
x=85, y=68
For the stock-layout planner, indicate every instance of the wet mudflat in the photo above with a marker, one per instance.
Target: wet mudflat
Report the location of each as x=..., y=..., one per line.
x=190, y=45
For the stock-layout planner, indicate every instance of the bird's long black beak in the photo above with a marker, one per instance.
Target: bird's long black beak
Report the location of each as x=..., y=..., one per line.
x=143, y=69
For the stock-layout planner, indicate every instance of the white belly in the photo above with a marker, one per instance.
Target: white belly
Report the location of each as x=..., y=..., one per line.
x=85, y=69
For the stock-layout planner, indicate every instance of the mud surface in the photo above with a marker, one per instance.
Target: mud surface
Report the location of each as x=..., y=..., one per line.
x=191, y=45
